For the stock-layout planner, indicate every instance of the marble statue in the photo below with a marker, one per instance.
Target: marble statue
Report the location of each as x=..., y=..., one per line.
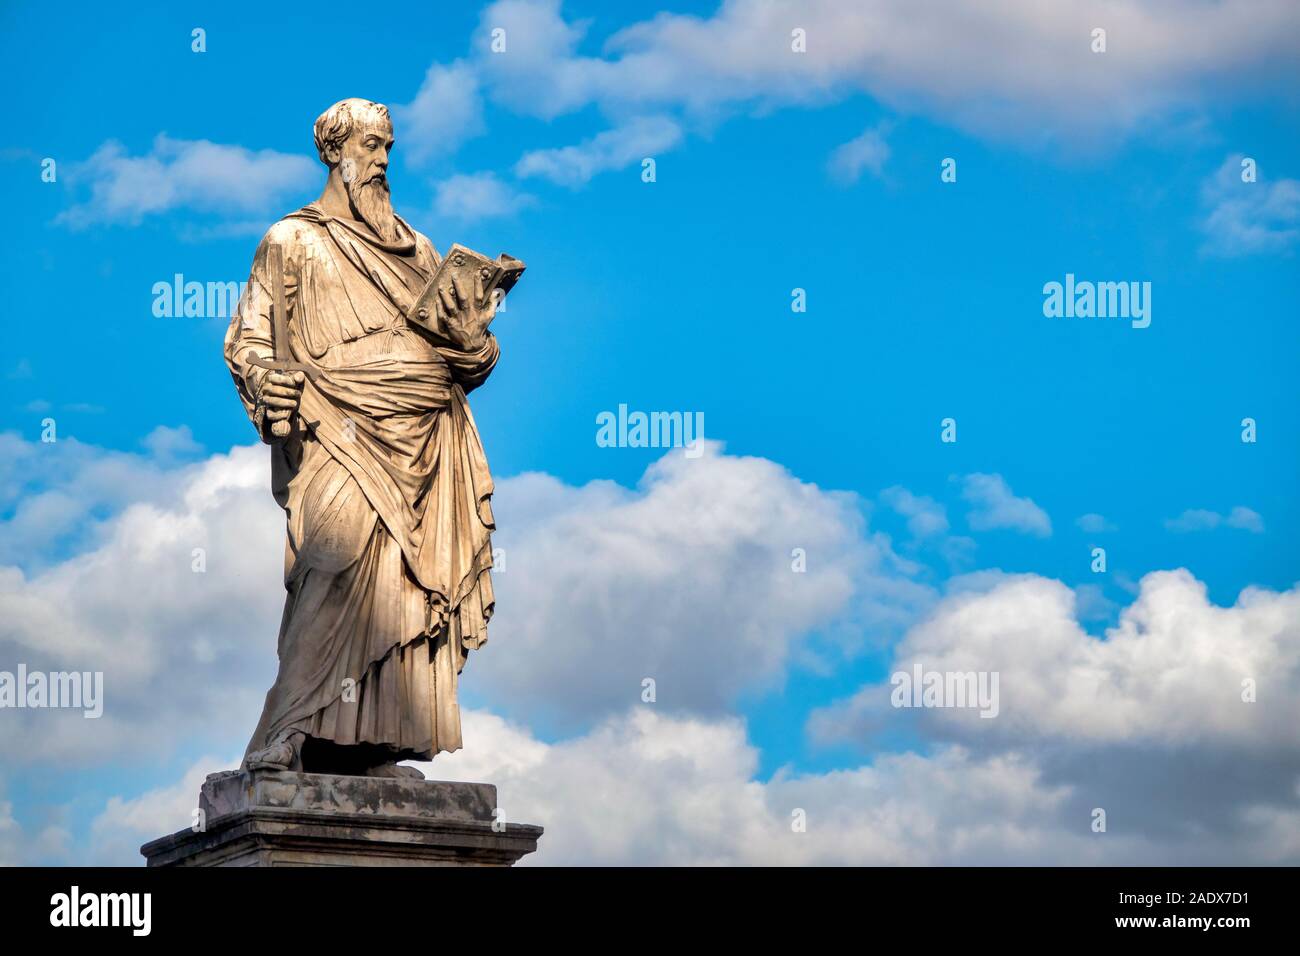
x=376, y=461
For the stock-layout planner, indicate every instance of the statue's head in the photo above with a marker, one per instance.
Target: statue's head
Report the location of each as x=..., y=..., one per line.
x=354, y=137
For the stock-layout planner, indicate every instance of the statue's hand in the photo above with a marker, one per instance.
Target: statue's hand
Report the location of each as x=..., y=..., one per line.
x=467, y=314
x=280, y=394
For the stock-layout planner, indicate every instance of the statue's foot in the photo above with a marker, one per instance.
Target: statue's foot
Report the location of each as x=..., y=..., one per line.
x=394, y=770
x=279, y=756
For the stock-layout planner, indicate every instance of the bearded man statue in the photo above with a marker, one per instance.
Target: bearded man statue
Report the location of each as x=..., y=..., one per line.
x=382, y=476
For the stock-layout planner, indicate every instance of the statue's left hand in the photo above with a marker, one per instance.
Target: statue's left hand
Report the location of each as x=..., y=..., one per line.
x=468, y=313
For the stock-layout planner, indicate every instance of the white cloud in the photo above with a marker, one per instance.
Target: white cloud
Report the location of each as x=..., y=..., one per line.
x=867, y=152
x=1153, y=723
x=478, y=196
x=1244, y=519
x=126, y=823
x=446, y=112
x=1169, y=673
x=183, y=174
x=57, y=490
x=1009, y=70
x=1092, y=604
x=926, y=518
x=1199, y=519
x=650, y=789
x=538, y=73
x=631, y=142
x=167, y=443
x=184, y=654
x=645, y=788
x=1094, y=523
x=687, y=580
x=994, y=506
x=1245, y=218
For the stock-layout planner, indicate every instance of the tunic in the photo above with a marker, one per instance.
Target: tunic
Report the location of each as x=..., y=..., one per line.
x=386, y=492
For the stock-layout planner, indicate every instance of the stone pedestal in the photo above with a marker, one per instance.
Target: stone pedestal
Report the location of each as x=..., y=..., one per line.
x=270, y=818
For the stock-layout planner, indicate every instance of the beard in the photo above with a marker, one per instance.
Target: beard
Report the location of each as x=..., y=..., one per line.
x=371, y=202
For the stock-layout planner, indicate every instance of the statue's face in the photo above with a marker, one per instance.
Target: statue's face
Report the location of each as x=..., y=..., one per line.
x=364, y=155
x=363, y=164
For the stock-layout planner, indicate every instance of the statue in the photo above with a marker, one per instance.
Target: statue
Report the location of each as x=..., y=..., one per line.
x=376, y=461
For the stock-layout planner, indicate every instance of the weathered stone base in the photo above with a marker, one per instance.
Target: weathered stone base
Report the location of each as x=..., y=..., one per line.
x=270, y=818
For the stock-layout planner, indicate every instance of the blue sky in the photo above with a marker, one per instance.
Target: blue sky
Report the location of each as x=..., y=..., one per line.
x=924, y=301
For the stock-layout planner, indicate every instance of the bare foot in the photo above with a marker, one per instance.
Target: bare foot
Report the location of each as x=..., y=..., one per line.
x=281, y=755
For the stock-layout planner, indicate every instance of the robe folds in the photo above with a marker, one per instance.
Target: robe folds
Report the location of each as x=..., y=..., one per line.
x=385, y=489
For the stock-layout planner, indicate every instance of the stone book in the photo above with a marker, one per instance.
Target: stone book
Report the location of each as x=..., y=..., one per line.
x=464, y=267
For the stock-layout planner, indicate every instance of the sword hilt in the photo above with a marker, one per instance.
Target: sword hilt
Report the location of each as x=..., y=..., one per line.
x=280, y=332
x=281, y=429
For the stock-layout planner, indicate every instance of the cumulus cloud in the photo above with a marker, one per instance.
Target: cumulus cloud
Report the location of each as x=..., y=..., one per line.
x=926, y=518
x=447, y=111
x=1009, y=70
x=1243, y=218
x=176, y=601
x=183, y=174
x=687, y=579
x=538, y=73
x=652, y=789
x=53, y=495
x=867, y=152
x=649, y=788
x=1170, y=672
x=638, y=139
x=477, y=196
x=993, y=506
x=1199, y=519
x=126, y=823
x=168, y=444
x=1179, y=722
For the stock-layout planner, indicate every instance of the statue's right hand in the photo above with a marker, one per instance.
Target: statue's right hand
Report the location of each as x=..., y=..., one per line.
x=281, y=392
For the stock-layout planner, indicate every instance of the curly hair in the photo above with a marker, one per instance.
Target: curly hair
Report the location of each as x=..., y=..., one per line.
x=334, y=126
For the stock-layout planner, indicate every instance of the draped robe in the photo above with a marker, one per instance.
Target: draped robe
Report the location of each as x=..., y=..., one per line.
x=386, y=492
